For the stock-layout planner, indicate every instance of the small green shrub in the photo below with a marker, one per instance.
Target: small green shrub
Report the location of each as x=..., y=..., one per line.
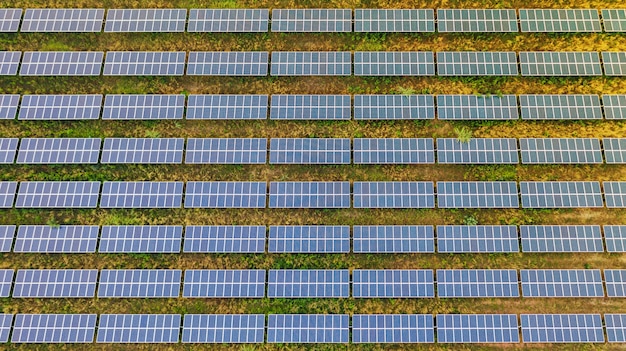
x=463, y=134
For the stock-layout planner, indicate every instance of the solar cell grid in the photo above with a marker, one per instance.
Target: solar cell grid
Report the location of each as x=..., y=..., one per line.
x=227, y=107
x=393, y=151
x=393, y=195
x=562, y=328
x=614, y=106
x=60, y=107
x=309, y=151
x=392, y=20
x=311, y=107
x=301, y=283
x=143, y=150
x=472, y=107
x=560, y=150
x=223, y=328
x=561, y=238
x=399, y=63
x=141, y=195
x=59, y=150
x=61, y=239
x=393, y=238
x=393, y=328
x=139, y=283
x=394, y=107
x=472, y=283
x=415, y=283
x=6, y=320
x=614, y=63
x=311, y=63
x=614, y=20
x=615, y=327
x=143, y=107
x=477, y=195
x=221, y=239
x=62, y=20
x=308, y=328
x=219, y=63
x=138, y=328
x=309, y=239
x=615, y=238
x=561, y=283
x=472, y=63
x=477, y=328
x=546, y=63
x=212, y=283
x=146, y=20
x=228, y=20
x=309, y=195
x=144, y=63
x=614, y=150
x=61, y=283
x=57, y=194
x=7, y=233
x=10, y=20
x=225, y=195
x=8, y=150
x=476, y=20
x=615, y=280
x=226, y=151
x=8, y=105
x=479, y=238
x=311, y=20
x=477, y=151
x=54, y=328
x=6, y=281
x=7, y=194
x=9, y=62
x=61, y=63
x=615, y=194
x=561, y=194
x=562, y=20
x=140, y=239
x=549, y=107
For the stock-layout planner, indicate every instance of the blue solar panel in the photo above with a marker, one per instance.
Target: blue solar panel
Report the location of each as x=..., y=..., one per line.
x=308, y=328
x=213, y=283
x=394, y=63
x=614, y=63
x=140, y=239
x=311, y=20
x=310, y=107
x=614, y=20
x=477, y=151
x=309, y=151
x=8, y=105
x=59, y=150
x=615, y=194
x=227, y=107
x=60, y=107
x=394, y=195
x=393, y=151
x=615, y=280
x=54, y=328
x=225, y=195
x=61, y=239
x=553, y=107
x=138, y=328
x=58, y=195
x=144, y=63
x=301, y=283
x=139, y=283
x=561, y=194
x=473, y=107
x=9, y=62
x=476, y=63
x=226, y=151
x=615, y=327
x=414, y=283
x=146, y=20
x=394, y=107
x=561, y=283
x=560, y=150
x=225, y=238
x=61, y=63
x=6, y=281
x=477, y=238
x=143, y=107
x=142, y=195
x=63, y=20
x=477, y=328
x=394, y=20
x=309, y=239
x=561, y=238
x=614, y=150
x=228, y=20
x=560, y=64
x=562, y=328
x=224, y=328
x=7, y=194
x=455, y=283
x=220, y=63
x=477, y=195
x=309, y=195
x=614, y=106
x=6, y=320
x=7, y=233
x=143, y=150
x=10, y=20
x=559, y=20
x=393, y=328
x=311, y=63
x=476, y=20
x=615, y=237
x=393, y=238
x=65, y=283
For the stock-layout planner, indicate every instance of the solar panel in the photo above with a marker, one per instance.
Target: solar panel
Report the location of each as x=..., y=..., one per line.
x=615, y=327
x=225, y=239
x=59, y=151
x=560, y=150
x=228, y=20
x=570, y=20
x=379, y=283
x=8, y=150
x=309, y=239
x=143, y=150
x=309, y=195
x=561, y=238
x=394, y=107
x=63, y=20
x=551, y=107
x=477, y=328
x=6, y=320
x=313, y=107
x=461, y=283
x=139, y=283
x=477, y=195
x=477, y=151
x=138, y=328
x=311, y=20
x=65, y=283
x=477, y=238
x=309, y=151
x=226, y=151
x=404, y=20
x=6, y=281
x=394, y=195
x=140, y=239
x=394, y=151
x=473, y=107
x=311, y=63
x=562, y=328
x=393, y=328
x=614, y=20
x=61, y=239
x=54, y=328
x=222, y=283
x=225, y=195
x=393, y=238
x=60, y=107
x=220, y=63
x=58, y=195
x=7, y=194
x=8, y=104
x=614, y=63
x=10, y=20
x=561, y=283
x=61, y=63
x=475, y=63
x=7, y=233
x=9, y=62
x=227, y=107
x=479, y=20
x=546, y=63
x=146, y=20
x=561, y=194
x=615, y=237
x=144, y=63
x=308, y=283
x=614, y=106
x=615, y=194
x=615, y=280
x=142, y=195
x=398, y=63
x=224, y=328
x=308, y=328
x=143, y=107
x=614, y=150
